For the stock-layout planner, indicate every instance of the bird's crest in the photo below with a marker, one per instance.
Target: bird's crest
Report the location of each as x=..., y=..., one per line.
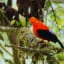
x=33, y=20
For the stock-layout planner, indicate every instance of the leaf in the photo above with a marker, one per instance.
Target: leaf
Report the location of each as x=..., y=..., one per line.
x=12, y=22
x=17, y=23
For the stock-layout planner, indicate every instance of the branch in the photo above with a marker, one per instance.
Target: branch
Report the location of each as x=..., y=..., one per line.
x=44, y=50
x=8, y=29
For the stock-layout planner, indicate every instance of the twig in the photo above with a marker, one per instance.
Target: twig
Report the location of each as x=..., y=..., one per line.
x=54, y=14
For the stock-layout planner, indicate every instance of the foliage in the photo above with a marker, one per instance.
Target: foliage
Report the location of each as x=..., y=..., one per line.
x=25, y=45
x=59, y=12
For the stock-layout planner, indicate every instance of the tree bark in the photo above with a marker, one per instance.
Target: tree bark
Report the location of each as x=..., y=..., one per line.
x=9, y=3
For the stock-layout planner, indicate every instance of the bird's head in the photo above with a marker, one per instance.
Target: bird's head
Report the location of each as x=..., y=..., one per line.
x=33, y=20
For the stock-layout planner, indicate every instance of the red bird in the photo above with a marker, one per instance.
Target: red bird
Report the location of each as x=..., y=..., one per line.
x=43, y=32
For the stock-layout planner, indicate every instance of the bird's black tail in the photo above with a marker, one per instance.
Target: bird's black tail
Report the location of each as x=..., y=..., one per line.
x=60, y=44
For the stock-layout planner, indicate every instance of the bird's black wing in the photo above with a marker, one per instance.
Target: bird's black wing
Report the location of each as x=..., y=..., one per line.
x=48, y=35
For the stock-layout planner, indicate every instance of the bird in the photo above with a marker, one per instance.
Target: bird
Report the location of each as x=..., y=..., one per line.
x=43, y=32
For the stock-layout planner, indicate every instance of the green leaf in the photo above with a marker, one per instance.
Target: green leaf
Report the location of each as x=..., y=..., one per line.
x=17, y=23
x=12, y=22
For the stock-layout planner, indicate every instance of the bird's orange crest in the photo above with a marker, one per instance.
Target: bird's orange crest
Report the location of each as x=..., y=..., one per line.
x=33, y=20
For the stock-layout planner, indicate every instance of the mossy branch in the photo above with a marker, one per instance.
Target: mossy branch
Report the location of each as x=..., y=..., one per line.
x=43, y=51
